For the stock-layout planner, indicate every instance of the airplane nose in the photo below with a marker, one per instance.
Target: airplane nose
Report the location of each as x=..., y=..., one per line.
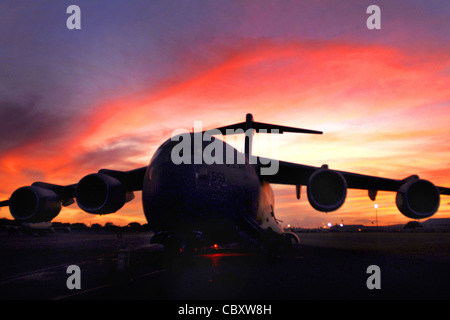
x=176, y=183
x=169, y=195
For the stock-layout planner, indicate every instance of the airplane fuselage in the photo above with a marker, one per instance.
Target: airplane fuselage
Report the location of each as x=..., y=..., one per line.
x=217, y=199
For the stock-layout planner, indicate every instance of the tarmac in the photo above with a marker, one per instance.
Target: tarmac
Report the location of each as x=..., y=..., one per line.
x=326, y=266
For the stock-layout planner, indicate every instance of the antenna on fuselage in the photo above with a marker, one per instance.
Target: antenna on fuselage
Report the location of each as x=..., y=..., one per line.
x=249, y=127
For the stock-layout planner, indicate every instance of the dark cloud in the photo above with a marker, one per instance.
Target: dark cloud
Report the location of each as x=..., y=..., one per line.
x=118, y=153
x=25, y=123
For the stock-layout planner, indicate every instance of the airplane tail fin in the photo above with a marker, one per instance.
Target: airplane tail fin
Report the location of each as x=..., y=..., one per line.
x=250, y=126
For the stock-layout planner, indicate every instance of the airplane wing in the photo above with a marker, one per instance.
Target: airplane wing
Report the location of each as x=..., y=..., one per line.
x=326, y=189
x=444, y=190
x=4, y=203
x=99, y=193
x=298, y=174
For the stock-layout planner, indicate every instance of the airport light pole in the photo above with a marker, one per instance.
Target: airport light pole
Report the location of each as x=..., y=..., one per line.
x=376, y=214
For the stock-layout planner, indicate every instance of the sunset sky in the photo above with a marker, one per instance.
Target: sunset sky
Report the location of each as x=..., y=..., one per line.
x=106, y=96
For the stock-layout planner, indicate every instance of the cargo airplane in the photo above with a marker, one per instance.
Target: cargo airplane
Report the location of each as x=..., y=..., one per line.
x=219, y=201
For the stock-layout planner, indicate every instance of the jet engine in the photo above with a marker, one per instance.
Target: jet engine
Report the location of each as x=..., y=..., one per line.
x=326, y=190
x=34, y=204
x=418, y=199
x=99, y=193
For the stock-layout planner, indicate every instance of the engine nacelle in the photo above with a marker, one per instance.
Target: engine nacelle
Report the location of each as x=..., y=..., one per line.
x=326, y=190
x=99, y=193
x=418, y=199
x=34, y=204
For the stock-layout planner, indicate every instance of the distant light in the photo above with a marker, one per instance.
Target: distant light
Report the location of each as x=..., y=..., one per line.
x=375, y=206
x=288, y=225
x=341, y=225
x=329, y=224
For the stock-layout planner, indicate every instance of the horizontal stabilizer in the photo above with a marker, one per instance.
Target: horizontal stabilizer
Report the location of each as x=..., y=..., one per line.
x=259, y=127
x=281, y=129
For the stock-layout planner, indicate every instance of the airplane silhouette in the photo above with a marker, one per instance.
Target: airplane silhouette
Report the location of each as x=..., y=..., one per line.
x=223, y=196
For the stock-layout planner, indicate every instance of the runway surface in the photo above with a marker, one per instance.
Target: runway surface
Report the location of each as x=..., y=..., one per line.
x=325, y=266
